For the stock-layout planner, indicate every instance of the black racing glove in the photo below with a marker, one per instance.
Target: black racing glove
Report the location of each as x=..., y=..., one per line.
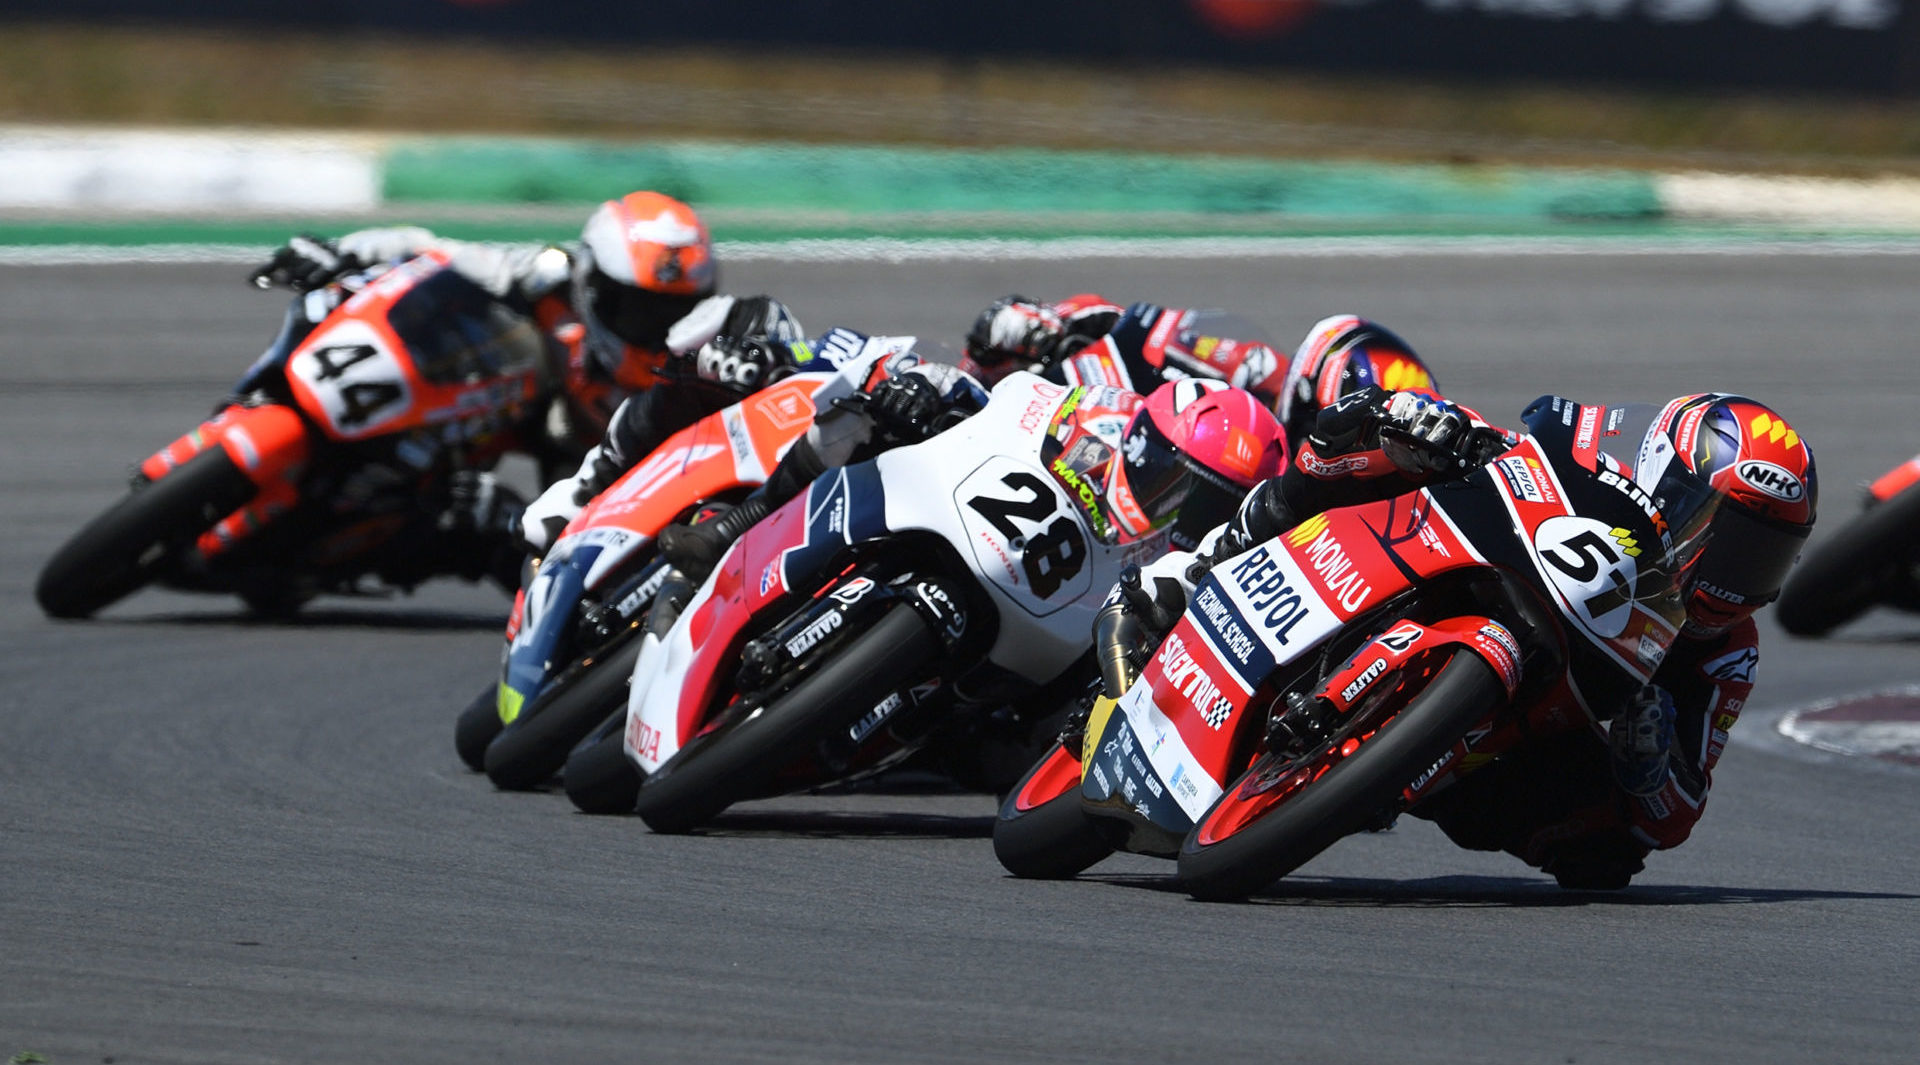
x=904, y=406
x=305, y=263
x=741, y=363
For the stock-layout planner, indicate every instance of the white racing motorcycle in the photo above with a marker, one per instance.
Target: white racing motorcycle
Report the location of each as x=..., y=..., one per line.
x=893, y=598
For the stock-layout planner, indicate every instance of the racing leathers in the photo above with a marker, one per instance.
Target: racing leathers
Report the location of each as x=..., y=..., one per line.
x=632, y=407
x=1089, y=340
x=1585, y=803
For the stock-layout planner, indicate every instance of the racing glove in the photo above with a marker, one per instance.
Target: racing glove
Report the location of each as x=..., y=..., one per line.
x=305, y=263
x=740, y=363
x=904, y=406
x=761, y=316
x=1014, y=328
x=1641, y=741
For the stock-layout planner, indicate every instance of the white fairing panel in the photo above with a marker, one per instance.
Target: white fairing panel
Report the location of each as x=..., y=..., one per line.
x=1025, y=539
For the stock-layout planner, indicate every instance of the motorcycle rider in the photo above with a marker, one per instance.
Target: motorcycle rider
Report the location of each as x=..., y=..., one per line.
x=1187, y=455
x=1154, y=344
x=633, y=304
x=1584, y=807
x=1341, y=354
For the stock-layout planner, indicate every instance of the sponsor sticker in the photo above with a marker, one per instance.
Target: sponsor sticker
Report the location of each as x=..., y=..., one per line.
x=1739, y=666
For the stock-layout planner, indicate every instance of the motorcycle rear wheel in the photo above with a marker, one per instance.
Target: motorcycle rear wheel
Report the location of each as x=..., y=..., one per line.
x=1053, y=839
x=528, y=752
x=722, y=765
x=1852, y=571
x=133, y=541
x=1342, y=800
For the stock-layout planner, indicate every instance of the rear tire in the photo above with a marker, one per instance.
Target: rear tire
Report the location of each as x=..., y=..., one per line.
x=530, y=751
x=719, y=767
x=1853, y=569
x=479, y=723
x=1347, y=797
x=1053, y=840
x=599, y=777
x=130, y=544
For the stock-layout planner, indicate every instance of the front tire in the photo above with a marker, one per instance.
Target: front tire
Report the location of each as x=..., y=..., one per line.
x=599, y=777
x=1043, y=831
x=528, y=752
x=1238, y=848
x=1854, y=569
x=134, y=541
x=479, y=723
x=724, y=764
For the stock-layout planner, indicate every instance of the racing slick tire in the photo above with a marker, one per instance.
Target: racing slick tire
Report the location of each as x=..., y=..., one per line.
x=479, y=723
x=133, y=541
x=530, y=751
x=598, y=775
x=1854, y=569
x=722, y=765
x=1050, y=840
x=1237, y=848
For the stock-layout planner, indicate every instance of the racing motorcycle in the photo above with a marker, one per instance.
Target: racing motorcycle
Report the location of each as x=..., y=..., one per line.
x=1326, y=680
x=573, y=636
x=1872, y=562
x=335, y=458
x=893, y=600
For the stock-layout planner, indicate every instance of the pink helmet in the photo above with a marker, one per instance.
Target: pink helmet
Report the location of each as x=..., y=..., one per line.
x=1189, y=455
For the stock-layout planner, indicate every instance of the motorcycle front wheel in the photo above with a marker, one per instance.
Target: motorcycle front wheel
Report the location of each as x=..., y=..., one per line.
x=1285, y=810
x=532, y=749
x=729, y=762
x=1858, y=567
x=134, y=541
x=1043, y=831
x=599, y=777
x=479, y=723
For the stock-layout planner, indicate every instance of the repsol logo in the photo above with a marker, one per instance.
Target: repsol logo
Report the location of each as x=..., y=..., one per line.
x=1773, y=480
x=1276, y=603
x=816, y=631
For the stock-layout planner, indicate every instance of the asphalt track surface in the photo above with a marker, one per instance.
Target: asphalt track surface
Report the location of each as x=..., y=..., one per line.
x=227, y=841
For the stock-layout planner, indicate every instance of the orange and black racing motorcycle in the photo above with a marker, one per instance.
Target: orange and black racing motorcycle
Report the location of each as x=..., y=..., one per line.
x=335, y=458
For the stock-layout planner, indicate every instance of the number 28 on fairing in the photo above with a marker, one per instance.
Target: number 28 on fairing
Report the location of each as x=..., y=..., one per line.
x=1025, y=536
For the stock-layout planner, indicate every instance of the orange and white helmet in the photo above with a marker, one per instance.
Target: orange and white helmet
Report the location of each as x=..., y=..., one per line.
x=1761, y=477
x=1340, y=356
x=647, y=261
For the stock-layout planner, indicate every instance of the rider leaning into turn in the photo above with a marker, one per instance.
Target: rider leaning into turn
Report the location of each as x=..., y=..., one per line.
x=1187, y=454
x=632, y=303
x=1584, y=807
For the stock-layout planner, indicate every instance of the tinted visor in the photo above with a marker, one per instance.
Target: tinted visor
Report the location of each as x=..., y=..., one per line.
x=1157, y=474
x=1747, y=556
x=635, y=315
x=1211, y=502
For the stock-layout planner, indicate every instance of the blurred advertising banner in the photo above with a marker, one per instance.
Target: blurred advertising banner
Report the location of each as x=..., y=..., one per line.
x=1860, y=46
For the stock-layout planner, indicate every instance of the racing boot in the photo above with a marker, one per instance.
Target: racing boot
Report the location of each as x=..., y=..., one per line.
x=695, y=549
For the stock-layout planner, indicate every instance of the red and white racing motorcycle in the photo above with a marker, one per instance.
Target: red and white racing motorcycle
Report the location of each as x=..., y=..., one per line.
x=949, y=577
x=574, y=634
x=1347, y=670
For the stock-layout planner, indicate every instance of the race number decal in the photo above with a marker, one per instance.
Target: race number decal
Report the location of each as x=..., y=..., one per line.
x=358, y=382
x=1025, y=535
x=1592, y=565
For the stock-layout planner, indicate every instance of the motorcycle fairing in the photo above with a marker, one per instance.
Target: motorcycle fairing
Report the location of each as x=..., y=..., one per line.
x=1896, y=480
x=269, y=443
x=357, y=376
